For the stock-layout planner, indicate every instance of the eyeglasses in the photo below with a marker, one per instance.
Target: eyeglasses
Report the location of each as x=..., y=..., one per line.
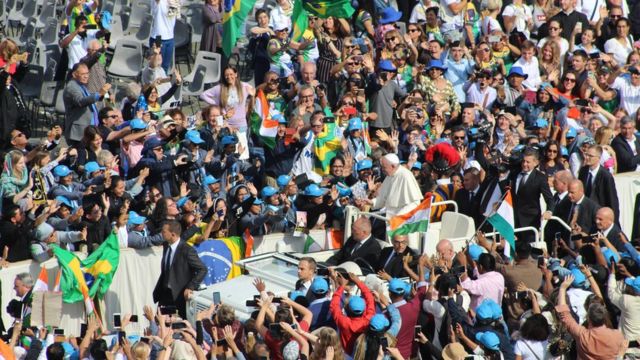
x=570, y=80
x=348, y=103
x=273, y=81
x=350, y=46
x=389, y=39
x=458, y=138
x=312, y=18
x=306, y=96
x=414, y=30
x=553, y=28
x=283, y=30
x=17, y=136
x=615, y=16
x=395, y=242
x=158, y=149
x=317, y=125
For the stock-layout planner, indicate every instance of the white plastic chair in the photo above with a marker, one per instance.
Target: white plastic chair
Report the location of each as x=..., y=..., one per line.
x=127, y=59
x=212, y=62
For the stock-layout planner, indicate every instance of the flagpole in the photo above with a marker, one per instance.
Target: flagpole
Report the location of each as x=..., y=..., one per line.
x=495, y=210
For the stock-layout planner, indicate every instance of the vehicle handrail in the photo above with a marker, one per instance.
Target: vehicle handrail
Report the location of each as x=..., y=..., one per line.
x=556, y=219
x=446, y=202
x=522, y=229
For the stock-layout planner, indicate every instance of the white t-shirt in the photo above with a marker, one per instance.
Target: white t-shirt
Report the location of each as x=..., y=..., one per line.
x=539, y=349
x=629, y=94
x=590, y=9
x=564, y=46
x=490, y=25
x=162, y=24
x=522, y=13
x=450, y=21
x=620, y=52
x=532, y=69
x=77, y=48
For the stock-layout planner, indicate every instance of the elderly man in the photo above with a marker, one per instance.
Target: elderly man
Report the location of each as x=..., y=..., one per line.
x=97, y=71
x=627, y=146
x=582, y=210
x=23, y=284
x=391, y=258
x=360, y=245
x=400, y=192
x=80, y=104
x=446, y=253
x=598, y=182
x=605, y=224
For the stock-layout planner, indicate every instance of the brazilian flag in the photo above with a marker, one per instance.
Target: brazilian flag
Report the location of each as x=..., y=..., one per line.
x=219, y=256
x=320, y=8
x=235, y=15
x=326, y=146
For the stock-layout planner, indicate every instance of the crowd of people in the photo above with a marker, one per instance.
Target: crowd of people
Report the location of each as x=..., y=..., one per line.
x=463, y=100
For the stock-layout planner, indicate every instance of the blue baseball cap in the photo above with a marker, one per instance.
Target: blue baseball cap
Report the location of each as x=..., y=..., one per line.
x=137, y=124
x=135, y=219
x=541, y=123
x=152, y=143
x=564, y=151
x=356, y=304
x=364, y=164
x=417, y=165
x=578, y=278
x=389, y=15
x=63, y=200
x=571, y=133
x=397, y=286
x=319, y=286
x=210, y=179
x=296, y=294
x=379, y=323
x=92, y=166
x=229, y=140
x=61, y=171
x=436, y=64
x=268, y=191
x=634, y=283
x=257, y=201
x=279, y=118
x=183, y=200
x=343, y=191
x=314, y=190
x=475, y=251
x=193, y=136
x=283, y=180
x=386, y=65
x=355, y=124
x=489, y=340
x=517, y=71
x=608, y=254
x=484, y=311
x=497, y=310
x=105, y=19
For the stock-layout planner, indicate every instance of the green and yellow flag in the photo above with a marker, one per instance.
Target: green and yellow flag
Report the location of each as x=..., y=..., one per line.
x=91, y=277
x=235, y=15
x=326, y=146
x=327, y=8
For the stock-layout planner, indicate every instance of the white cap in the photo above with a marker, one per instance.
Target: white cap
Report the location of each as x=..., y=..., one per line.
x=392, y=159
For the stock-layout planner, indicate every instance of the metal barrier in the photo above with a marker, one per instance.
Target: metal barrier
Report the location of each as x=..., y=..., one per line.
x=556, y=219
x=538, y=241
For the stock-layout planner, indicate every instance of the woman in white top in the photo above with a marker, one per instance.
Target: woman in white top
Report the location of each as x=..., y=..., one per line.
x=555, y=31
x=534, y=339
x=518, y=16
x=539, y=14
x=490, y=22
x=622, y=45
x=281, y=15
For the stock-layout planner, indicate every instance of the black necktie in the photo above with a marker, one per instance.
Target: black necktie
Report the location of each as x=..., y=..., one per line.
x=167, y=262
x=471, y=196
x=355, y=248
x=556, y=198
x=587, y=185
x=523, y=179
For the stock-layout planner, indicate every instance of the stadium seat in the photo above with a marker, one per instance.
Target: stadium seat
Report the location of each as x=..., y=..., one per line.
x=212, y=62
x=195, y=87
x=127, y=59
x=47, y=13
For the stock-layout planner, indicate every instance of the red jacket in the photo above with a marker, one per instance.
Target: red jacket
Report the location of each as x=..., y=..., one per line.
x=351, y=327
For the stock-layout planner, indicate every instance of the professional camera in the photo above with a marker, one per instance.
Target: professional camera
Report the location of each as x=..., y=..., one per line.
x=480, y=132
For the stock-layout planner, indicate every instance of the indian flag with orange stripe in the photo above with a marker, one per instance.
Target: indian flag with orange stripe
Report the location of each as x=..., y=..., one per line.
x=416, y=220
x=262, y=120
x=503, y=222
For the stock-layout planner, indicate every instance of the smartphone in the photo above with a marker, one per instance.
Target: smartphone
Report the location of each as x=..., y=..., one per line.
x=251, y=303
x=178, y=325
x=416, y=330
x=458, y=270
x=221, y=342
x=588, y=239
x=494, y=38
x=168, y=310
x=107, y=37
x=58, y=332
x=216, y=297
x=522, y=295
x=581, y=102
x=439, y=270
x=158, y=41
x=576, y=237
x=322, y=272
x=117, y=321
x=542, y=261
x=91, y=26
x=134, y=319
x=145, y=340
x=557, y=236
x=384, y=342
x=83, y=330
x=536, y=252
x=329, y=119
x=121, y=336
x=219, y=120
x=471, y=14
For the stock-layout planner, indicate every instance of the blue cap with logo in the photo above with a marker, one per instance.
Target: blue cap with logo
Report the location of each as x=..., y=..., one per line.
x=379, y=323
x=364, y=164
x=92, y=166
x=314, y=190
x=283, y=180
x=356, y=305
x=61, y=171
x=319, y=286
x=135, y=219
x=355, y=124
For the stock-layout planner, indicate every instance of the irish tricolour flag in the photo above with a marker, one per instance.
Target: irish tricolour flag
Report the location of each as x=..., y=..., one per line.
x=416, y=220
x=262, y=122
x=503, y=222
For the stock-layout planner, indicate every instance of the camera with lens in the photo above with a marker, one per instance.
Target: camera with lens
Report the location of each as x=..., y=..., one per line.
x=480, y=132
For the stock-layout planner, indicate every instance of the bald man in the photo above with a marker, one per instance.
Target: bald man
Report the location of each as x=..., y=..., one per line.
x=400, y=192
x=359, y=245
x=605, y=223
x=391, y=258
x=582, y=210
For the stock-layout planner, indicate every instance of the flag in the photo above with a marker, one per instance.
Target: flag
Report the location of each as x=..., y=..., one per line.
x=311, y=245
x=83, y=280
x=56, y=285
x=335, y=239
x=326, y=145
x=416, y=220
x=262, y=123
x=220, y=256
x=6, y=352
x=248, y=243
x=327, y=8
x=503, y=222
x=300, y=21
x=235, y=15
x=42, y=284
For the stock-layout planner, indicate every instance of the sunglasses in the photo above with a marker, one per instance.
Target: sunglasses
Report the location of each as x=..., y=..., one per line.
x=484, y=49
x=391, y=39
x=570, y=79
x=554, y=28
x=414, y=30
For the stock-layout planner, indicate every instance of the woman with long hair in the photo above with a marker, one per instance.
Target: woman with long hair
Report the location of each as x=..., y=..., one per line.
x=15, y=182
x=232, y=95
x=551, y=162
x=439, y=90
x=603, y=137
x=327, y=337
x=90, y=145
x=330, y=35
x=534, y=339
x=153, y=98
x=368, y=345
x=555, y=32
x=260, y=36
x=549, y=63
x=621, y=45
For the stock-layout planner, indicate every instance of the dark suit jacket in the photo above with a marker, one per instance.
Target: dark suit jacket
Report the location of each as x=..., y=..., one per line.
x=187, y=272
x=624, y=155
x=369, y=252
x=636, y=219
x=470, y=208
x=395, y=267
x=77, y=107
x=526, y=202
x=586, y=213
x=614, y=237
x=603, y=190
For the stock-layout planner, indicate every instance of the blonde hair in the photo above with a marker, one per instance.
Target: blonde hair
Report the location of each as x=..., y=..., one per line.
x=494, y=5
x=555, y=50
x=140, y=351
x=327, y=337
x=604, y=135
x=8, y=48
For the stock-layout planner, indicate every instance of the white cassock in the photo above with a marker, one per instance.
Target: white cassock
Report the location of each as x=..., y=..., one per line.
x=399, y=193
